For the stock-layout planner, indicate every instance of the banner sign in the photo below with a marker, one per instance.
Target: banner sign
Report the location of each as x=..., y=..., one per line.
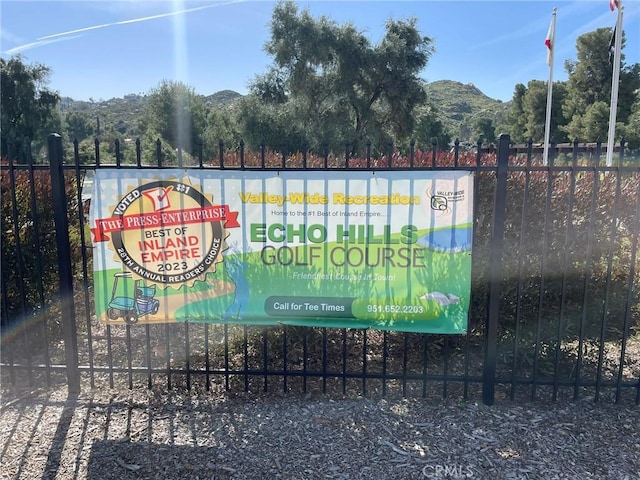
x=386, y=250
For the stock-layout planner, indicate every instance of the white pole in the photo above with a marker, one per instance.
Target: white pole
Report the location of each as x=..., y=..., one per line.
x=615, y=83
x=552, y=48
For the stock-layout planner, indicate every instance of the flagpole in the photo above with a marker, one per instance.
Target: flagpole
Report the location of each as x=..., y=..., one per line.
x=547, y=125
x=615, y=84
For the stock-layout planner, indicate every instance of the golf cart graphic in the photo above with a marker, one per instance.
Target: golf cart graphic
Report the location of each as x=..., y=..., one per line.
x=128, y=303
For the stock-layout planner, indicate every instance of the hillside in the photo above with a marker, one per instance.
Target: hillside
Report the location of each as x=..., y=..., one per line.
x=122, y=114
x=222, y=98
x=459, y=105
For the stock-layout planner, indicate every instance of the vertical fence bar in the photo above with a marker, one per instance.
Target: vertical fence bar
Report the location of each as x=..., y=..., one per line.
x=325, y=152
x=344, y=361
x=85, y=260
x=495, y=272
x=522, y=254
x=305, y=151
x=147, y=338
x=544, y=253
x=226, y=356
x=59, y=198
x=445, y=367
x=138, y=153
x=324, y=360
x=425, y=363
x=147, y=328
x=456, y=153
x=588, y=269
x=364, y=362
x=129, y=357
x=285, y=360
x=305, y=357
x=434, y=152
x=629, y=301
x=187, y=354
x=38, y=252
x=467, y=358
x=565, y=266
x=207, y=359
x=412, y=151
x=405, y=351
x=607, y=287
x=245, y=344
x=265, y=358
x=19, y=266
x=96, y=149
x=385, y=359
x=118, y=154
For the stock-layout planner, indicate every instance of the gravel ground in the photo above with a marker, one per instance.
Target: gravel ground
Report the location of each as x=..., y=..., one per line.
x=144, y=434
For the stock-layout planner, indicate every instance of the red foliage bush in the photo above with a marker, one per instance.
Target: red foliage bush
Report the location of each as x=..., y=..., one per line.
x=30, y=280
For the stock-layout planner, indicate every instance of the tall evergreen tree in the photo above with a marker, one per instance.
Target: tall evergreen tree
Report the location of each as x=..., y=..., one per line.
x=535, y=111
x=590, y=80
x=516, y=120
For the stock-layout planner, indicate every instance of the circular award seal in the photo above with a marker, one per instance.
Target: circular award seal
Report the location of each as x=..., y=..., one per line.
x=170, y=233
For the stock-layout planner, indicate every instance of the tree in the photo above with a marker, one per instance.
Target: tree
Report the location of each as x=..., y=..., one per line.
x=631, y=131
x=28, y=107
x=265, y=123
x=429, y=128
x=221, y=126
x=483, y=127
x=334, y=76
x=79, y=126
x=534, y=106
x=589, y=82
x=596, y=121
x=177, y=114
x=516, y=123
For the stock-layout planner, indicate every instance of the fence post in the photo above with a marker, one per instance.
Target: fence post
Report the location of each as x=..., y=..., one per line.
x=495, y=271
x=61, y=220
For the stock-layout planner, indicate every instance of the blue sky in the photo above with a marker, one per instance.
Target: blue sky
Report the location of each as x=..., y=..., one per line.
x=104, y=49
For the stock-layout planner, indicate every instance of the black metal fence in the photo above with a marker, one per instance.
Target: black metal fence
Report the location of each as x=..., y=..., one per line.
x=555, y=310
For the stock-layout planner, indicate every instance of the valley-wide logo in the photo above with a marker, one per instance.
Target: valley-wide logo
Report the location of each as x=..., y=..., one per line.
x=442, y=196
x=167, y=232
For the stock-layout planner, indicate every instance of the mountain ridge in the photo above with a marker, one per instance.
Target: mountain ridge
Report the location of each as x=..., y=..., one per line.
x=458, y=105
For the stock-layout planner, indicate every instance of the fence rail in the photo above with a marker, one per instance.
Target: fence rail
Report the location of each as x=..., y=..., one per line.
x=555, y=310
